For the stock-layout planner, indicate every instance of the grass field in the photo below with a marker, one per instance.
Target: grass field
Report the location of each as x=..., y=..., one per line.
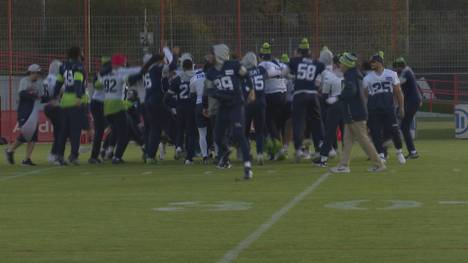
x=287, y=213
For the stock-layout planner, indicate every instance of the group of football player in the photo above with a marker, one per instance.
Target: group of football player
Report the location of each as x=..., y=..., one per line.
x=207, y=110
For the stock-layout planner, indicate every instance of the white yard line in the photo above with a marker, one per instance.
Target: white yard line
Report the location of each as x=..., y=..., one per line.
x=32, y=172
x=232, y=254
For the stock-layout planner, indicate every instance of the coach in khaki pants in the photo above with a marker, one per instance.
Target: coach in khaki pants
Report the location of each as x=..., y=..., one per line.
x=355, y=117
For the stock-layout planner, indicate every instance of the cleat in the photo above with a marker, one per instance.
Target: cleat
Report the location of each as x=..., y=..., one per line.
x=27, y=162
x=109, y=154
x=340, y=170
x=178, y=154
x=9, y=156
x=226, y=164
x=260, y=160
x=271, y=157
x=382, y=157
x=377, y=169
x=117, y=160
x=51, y=158
x=188, y=162
x=401, y=158
x=60, y=162
x=248, y=174
x=94, y=161
x=413, y=155
x=319, y=163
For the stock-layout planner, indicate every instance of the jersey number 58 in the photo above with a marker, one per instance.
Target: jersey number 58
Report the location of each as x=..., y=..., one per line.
x=306, y=72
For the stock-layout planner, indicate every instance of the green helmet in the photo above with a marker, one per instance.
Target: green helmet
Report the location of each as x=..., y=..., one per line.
x=265, y=49
x=304, y=44
x=284, y=58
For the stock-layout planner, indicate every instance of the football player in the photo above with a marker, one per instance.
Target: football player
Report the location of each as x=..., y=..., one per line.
x=330, y=88
x=255, y=108
x=382, y=87
x=275, y=96
x=223, y=83
x=413, y=100
x=185, y=107
x=305, y=105
x=72, y=76
x=115, y=107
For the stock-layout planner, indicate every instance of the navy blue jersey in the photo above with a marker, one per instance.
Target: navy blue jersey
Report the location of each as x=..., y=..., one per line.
x=410, y=86
x=227, y=83
x=306, y=71
x=182, y=91
x=153, y=83
x=72, y=76
x=257, y=77
x=380, y=90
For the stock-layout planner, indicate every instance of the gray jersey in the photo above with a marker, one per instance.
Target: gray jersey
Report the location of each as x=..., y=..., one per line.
x=27, y=84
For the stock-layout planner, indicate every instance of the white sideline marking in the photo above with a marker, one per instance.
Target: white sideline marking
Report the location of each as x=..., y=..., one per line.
x=453, y=202
x=18, y=175
x=244, y=244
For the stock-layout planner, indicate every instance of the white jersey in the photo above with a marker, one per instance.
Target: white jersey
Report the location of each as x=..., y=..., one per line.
x=380, y=90
x=115, y=83
x=383, y=83
x=197, y=85
x=99, y=95
x=275, y=82
x=49, y=85
x=331, y=83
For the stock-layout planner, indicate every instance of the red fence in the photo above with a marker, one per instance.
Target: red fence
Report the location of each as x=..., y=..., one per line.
x=451, y=92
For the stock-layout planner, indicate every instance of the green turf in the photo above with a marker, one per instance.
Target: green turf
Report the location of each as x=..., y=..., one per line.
x=105, y=213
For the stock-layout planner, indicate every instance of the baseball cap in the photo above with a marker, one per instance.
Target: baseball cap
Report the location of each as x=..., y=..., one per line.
x=34, y=68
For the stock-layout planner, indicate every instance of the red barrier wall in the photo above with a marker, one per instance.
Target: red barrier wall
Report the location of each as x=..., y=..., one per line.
x=10, y=127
